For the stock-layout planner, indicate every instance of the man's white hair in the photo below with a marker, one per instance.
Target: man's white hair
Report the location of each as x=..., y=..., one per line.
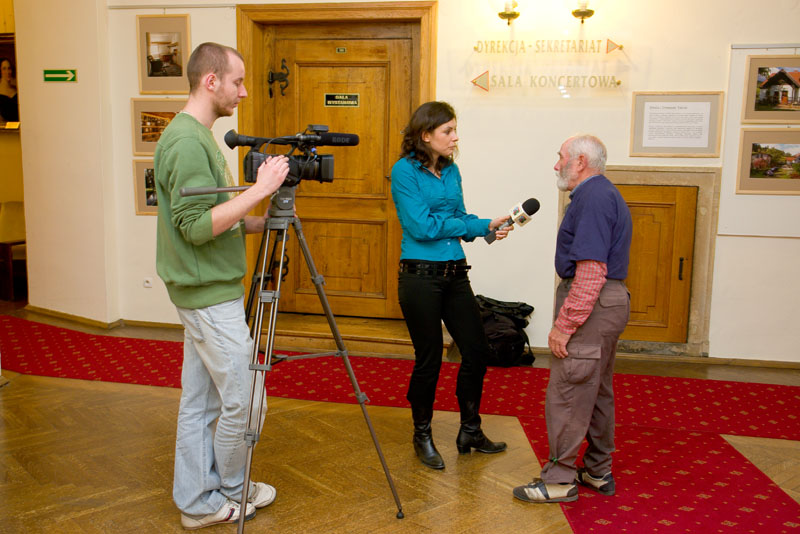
x=591, y=147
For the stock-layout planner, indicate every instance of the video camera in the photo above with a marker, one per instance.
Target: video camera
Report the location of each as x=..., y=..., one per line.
x=306, y=166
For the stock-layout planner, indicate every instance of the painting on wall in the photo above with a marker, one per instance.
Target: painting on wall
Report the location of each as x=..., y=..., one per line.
x=144, y=187
x=769, y=162
x=149, y=118
x=163, y=50
x=772, y=90
x=9, y=98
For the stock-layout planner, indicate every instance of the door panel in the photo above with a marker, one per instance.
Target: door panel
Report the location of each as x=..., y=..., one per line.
x=660, y=271
x=350, y=224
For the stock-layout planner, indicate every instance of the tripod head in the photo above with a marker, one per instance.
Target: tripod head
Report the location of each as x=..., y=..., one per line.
x=282, y=204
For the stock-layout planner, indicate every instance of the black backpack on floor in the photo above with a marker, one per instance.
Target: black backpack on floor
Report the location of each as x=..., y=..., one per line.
x=504, y=324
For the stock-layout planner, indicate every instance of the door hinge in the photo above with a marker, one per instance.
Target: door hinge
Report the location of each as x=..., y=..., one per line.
x=280, y=77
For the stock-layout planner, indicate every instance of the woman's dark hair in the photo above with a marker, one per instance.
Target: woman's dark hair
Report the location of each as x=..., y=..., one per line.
x=426, y=118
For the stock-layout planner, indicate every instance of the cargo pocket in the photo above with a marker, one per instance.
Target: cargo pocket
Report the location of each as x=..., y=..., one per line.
x=616, y=310
x=581, y=364
x=608, y=299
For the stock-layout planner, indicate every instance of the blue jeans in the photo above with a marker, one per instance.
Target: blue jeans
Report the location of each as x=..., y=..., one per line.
x=216, y=382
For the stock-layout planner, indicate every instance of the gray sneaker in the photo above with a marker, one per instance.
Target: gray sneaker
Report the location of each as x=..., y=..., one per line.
x=604, y=485
x=539, y=491
x=229, y=513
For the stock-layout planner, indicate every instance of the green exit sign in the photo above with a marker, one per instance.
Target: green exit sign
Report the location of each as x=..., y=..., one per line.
x=61, y=75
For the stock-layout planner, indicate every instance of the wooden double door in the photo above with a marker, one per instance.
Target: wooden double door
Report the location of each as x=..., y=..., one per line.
x=359, y=86
x=358, y=71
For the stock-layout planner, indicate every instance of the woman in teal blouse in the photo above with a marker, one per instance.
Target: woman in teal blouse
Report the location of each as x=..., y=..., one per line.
x=433, y=282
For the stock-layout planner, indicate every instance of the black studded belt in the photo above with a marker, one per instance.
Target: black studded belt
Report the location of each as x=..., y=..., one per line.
x=435, y=268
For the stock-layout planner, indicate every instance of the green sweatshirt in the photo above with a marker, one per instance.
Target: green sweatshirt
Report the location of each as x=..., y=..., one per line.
x=198, y=269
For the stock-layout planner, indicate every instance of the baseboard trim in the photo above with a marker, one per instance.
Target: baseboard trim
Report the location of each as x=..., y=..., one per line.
x=74, y=318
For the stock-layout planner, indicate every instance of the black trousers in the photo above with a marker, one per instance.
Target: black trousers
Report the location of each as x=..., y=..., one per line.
x=426, y=300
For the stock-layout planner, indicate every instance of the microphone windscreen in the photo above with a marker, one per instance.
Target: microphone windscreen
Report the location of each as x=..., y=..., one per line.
x=530, y=206
x=231, y=139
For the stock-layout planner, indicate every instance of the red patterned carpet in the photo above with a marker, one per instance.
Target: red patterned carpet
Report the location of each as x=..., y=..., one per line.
x=674, y=472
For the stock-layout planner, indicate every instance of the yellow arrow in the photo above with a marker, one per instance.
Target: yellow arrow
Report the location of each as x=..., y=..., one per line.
x=482, y=81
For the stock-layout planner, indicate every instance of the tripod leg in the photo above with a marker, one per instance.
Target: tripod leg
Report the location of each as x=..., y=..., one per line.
x=258, y=390
x=256, y=283
x=318, y=281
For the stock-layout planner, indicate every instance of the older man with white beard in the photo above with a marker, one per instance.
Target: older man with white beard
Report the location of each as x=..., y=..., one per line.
x=592, y=310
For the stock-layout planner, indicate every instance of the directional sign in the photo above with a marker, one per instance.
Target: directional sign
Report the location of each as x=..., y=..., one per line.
x=611, y=46
x=482, y=81
x=61, y=75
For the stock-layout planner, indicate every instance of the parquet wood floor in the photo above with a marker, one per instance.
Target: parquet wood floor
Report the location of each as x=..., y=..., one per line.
x=91, y=457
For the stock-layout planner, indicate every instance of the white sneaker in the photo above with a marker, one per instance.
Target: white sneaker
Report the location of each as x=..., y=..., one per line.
x=229, y=513
x=261, y=495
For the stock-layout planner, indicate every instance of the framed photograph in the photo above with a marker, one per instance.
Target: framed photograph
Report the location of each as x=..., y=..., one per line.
x=676, y=124
x=163, y=49
x=144, y=187
x=9, y=97
x=769, y=162
x=149, y=118
x=772, y=90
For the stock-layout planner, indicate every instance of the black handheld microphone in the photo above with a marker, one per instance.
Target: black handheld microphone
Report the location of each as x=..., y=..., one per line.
x=520, y=215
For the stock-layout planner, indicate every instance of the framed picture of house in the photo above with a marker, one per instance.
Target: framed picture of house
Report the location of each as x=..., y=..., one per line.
x=676, y=124
x=163, y=51
x=144, y=187
x=149, y=117
x=769, y=162
x=772, y=90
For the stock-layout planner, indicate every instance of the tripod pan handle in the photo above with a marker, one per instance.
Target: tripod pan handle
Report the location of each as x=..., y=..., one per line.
x=191, y=191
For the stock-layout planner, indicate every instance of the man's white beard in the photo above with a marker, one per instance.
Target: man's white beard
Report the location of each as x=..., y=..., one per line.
x=563, y=181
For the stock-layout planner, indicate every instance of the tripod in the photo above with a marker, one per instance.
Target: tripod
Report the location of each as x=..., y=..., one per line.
x=281, y=216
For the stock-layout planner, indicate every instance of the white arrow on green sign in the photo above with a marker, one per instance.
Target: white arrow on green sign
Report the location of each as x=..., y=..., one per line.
x=61, y=75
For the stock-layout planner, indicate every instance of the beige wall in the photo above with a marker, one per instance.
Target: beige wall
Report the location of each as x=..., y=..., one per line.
x=91, y=252
x=66, y=154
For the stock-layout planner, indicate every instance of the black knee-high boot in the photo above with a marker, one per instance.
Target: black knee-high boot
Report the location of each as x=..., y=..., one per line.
x=423, y=439
x=470, y=435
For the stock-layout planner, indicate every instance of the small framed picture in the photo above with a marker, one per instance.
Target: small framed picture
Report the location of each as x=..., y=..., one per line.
x=772, y=90
x=769, y=162
x=144, y=187
x=9, y=96
x=678, y=124
x=163, y=50
x=149, y=117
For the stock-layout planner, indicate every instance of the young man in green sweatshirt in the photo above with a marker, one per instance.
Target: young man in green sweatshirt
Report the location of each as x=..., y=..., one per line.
x=201, y=259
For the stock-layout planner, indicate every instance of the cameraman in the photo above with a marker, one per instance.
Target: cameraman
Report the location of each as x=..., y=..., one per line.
x=201, y=259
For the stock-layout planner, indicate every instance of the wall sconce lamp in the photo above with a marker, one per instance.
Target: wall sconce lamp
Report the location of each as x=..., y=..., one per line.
x=583, y=12
x=508, y=14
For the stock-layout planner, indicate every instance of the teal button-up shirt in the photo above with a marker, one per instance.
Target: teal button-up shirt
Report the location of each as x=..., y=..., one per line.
x=431, y=212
